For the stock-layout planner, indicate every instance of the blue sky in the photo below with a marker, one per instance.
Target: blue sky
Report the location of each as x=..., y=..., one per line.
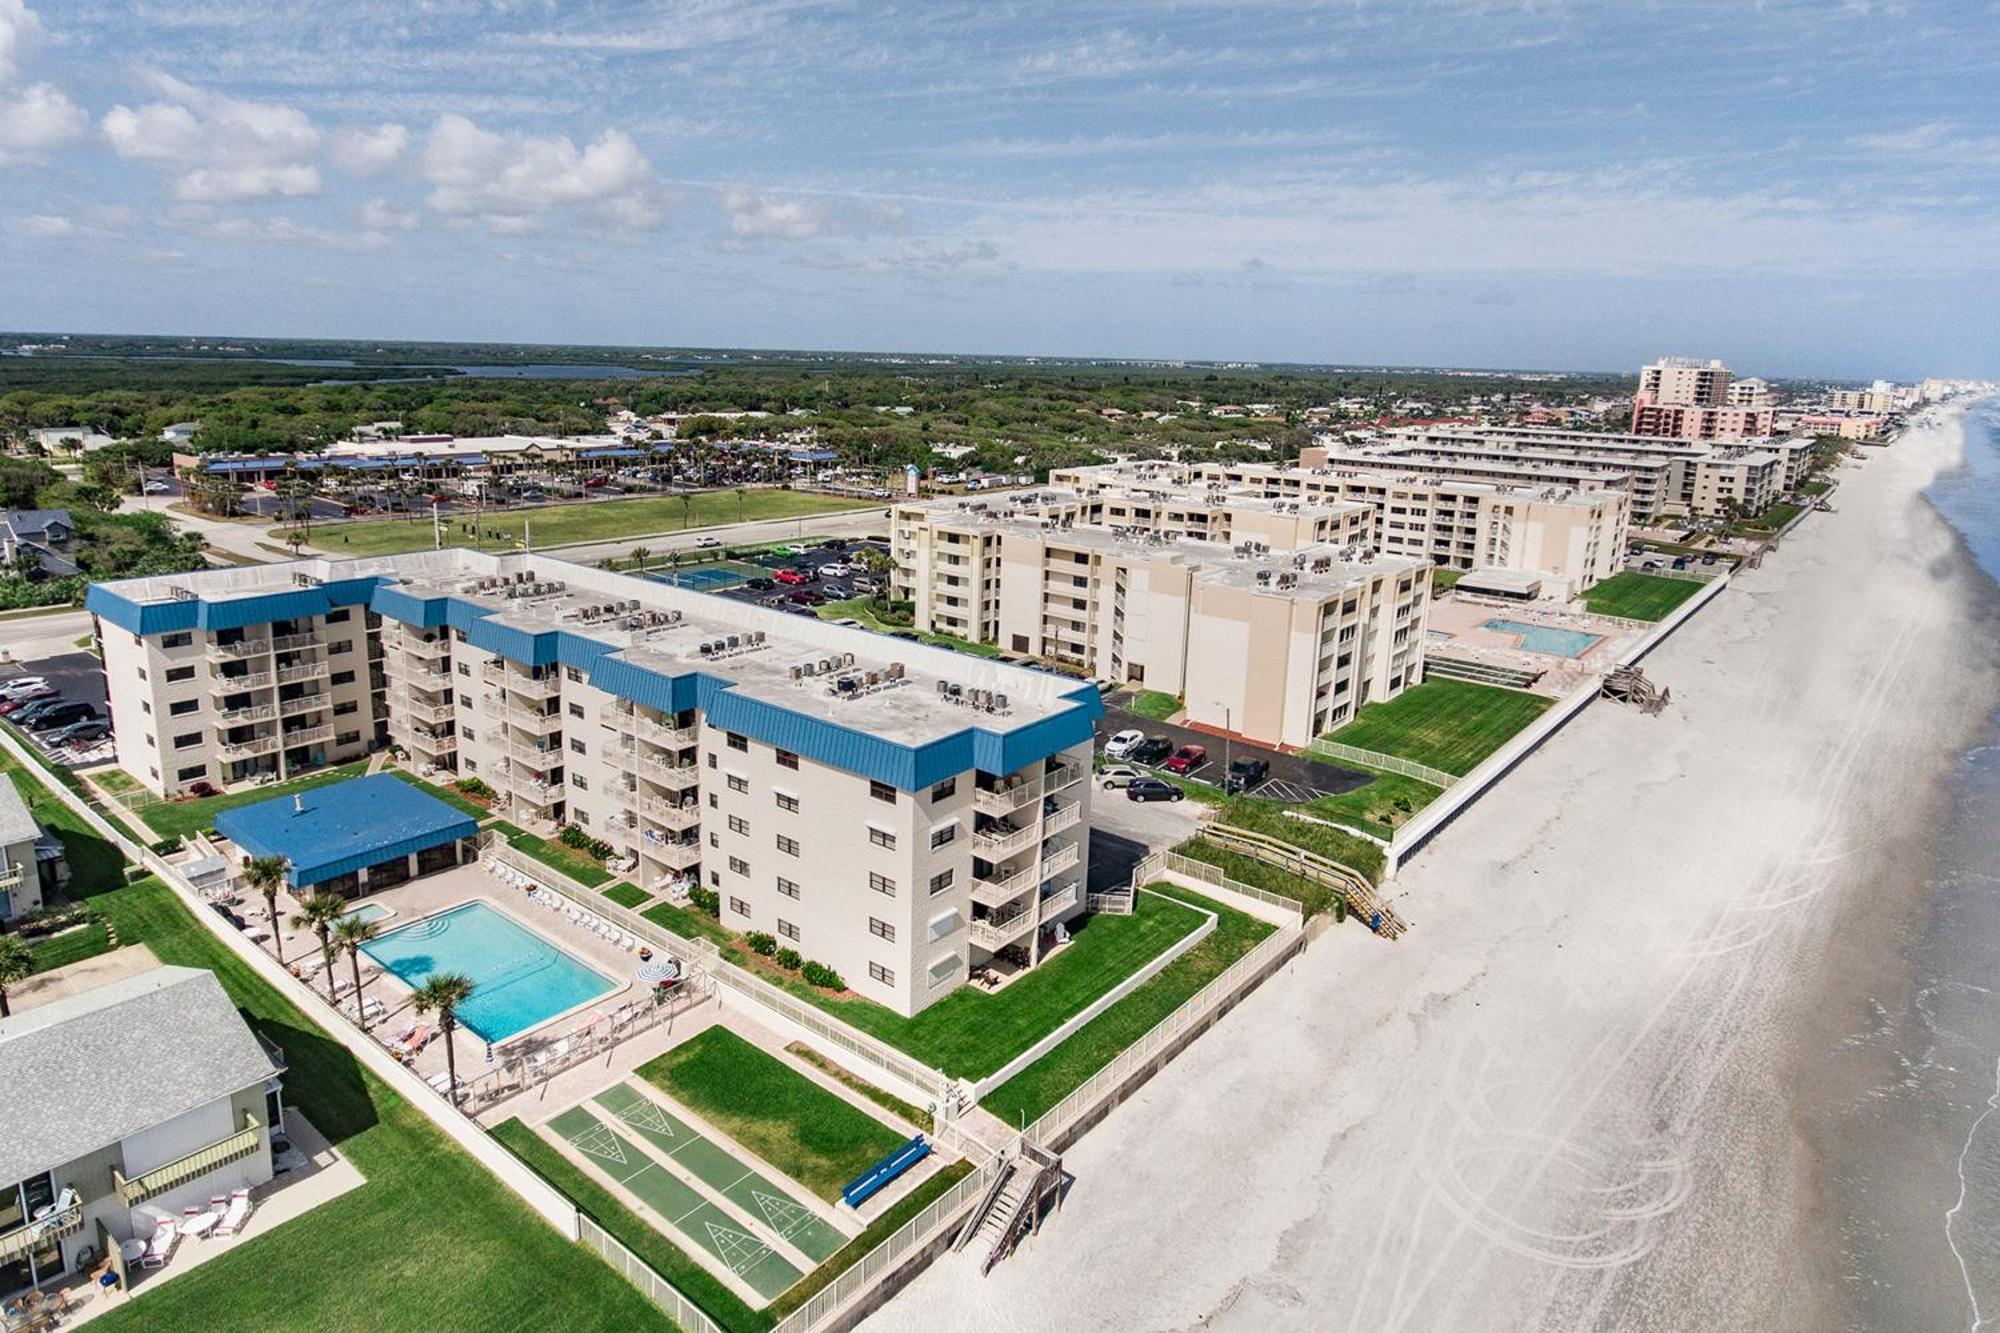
x=1802, y=188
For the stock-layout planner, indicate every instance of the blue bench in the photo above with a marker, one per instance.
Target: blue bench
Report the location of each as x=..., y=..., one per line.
x=864, y=1186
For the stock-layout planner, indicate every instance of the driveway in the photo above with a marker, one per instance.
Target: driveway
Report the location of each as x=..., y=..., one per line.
x=1122, y=832
x=1293, y=777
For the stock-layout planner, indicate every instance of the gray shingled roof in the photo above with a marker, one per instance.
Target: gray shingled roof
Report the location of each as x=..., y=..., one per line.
x=91, y=1069
x=16, y=823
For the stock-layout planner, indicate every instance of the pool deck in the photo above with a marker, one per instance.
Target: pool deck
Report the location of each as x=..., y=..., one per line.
x=1464, y=620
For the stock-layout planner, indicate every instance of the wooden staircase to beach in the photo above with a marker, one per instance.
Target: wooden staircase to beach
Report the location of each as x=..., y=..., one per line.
x=1029, y=1182
x=1362, y=898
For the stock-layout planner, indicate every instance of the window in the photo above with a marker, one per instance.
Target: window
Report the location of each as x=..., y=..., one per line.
x=788, y=802
x=176, y=640
x=576, y=710
x=342, y=678
x=183, y=708
x=738, y=865
x=711, y=761
x=344, y=709
x=465, y=701
x=339, y=616
x=187, y=740
x=882, y=791
x=344, y=646
x=348, y=738
x=789, y=846
x=944, y=789
x=465, y=733
x=786, y=759
x=788, y=888
x=175, y=675
x=788, y=930
x=738, y=906
x=577, y=747
x=714, y=838
x=714, y=801
x=737, y=782
x=582, y=817
x=881, y=929
x=737, y=742
x=574, y=675
x=881, y=883
x=193, y=774
x=881, y=974
x=942, y=880
x=941, y=836
x=578, y=781
x=881, y=837
x=464, y=668
x=738, y=824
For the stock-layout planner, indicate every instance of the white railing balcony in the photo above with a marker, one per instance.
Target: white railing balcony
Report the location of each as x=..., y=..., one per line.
x=307, y=735
x=433, y=680
x=541, y=757
x=238, y=716
x=1065, y=816
x=669, y=814
x=675, y=854
x=416, y=710
x=1005, y=842
x=541, y=795
x=991, y=934
x=674, y=777
x=256, y=745
x=302, y=671
x=535, y=719
x=237, y=651
x=433, y=742
x=1065, y=774
x=304, y=703
x=999, y=891
x=33, y=1236
x=1006, y=800
x=429, y=649
x=547, y=687
x=1061, y=899
x=662, y=733
x=251, y=680
x=1061, y=859
x=292, y=643
x=243, y=1143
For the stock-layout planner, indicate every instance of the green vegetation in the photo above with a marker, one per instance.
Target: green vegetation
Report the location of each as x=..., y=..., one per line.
x=1034, y=1090
x=1775, y=516
x=1380, y=807
x=970, y=1033
x=1639, y=596
x=1312, y=898
x=1154, y=704
x=559, y=524
x=445, y=794
x=1355, y=852
x=72, y=946
x=178, y=819
x=689, y=924
x=889, y=1102
x=579, y=867
x=1815, y=488
x=777, y=1113
x=876, y=1232
x=95, y=865
x=626, y=894
x=1447, y=724
x=1444, y=579
x=870, y=615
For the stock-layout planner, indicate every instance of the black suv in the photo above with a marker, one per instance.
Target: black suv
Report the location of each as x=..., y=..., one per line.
x=1245, y=774
x=1151, y=750
x=1152, y=789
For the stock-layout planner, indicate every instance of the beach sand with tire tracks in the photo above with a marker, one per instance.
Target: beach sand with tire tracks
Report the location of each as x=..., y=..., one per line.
x=1577, y=1094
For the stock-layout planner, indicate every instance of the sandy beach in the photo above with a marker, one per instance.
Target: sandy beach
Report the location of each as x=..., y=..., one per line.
x=1599, y=1085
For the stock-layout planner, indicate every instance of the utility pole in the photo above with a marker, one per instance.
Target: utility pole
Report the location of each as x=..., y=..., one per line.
x=437, y=529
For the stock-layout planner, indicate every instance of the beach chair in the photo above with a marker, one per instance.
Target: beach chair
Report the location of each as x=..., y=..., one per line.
x=161, y=1247
x=236, y=1214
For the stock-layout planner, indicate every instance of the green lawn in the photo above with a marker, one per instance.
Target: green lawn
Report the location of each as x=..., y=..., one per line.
x=177, y=819
x=585, y=870
x=1157, y=705
x=71, y=946
x=1030, y=1093
x=1639, y=596
x=95, y=865
x=1444, y=579
x=863, y=609
x=1815, y=488
x=688, y=923
x=626, y=894
x=445, y=794
x=1774, y=517
x=1379, y=807
x=1313, y=898
x=1334, y=844
x=1447, y=724
x=888, y=1101
x=580, y=521
x=777, y=1113
x=970, y=1033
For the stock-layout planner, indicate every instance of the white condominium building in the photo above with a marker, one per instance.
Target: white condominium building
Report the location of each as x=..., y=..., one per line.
x=901, y=813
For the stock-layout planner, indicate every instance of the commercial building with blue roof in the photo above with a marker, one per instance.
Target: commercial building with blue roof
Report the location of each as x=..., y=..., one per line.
x=904, y=814
x=353, y=837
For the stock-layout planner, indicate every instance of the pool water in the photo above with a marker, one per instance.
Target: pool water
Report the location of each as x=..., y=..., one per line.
x=1543, y=639
x=368, y=912
x=519, y=979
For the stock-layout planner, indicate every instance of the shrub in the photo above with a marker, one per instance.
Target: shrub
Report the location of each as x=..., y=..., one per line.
x=822, y=976
x=473, y=787
x=167, y=846
x=708, y=900
x=572, y=836
x=788, y=957
x=760, y=943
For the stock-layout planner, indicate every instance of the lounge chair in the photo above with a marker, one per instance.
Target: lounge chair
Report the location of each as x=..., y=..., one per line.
x=238, y=1213
x=408, y=1048
x=161, y=1247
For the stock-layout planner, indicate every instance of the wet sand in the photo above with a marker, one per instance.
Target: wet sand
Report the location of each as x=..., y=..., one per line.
x=1600, y=1085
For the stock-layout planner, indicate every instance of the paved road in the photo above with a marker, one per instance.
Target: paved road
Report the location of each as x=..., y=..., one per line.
x=28, y=638
x=1122, y=832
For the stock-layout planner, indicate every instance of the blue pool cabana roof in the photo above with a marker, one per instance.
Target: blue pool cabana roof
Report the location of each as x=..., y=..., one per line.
x=340, y=828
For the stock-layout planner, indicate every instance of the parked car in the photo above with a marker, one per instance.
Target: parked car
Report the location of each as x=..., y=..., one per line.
x=792, y=550
x=30, y=714
x=10, y=688
x=761, y=584
x=790, y=576
x=1245, y=774
x=834, y=544
x=1121, y=775
x=34, y=694
x=1152, y=789
x=157, y=488
x=1151, y=750
x=707, y=542
x=805, y=597
x=835, y=569
x=81, y=733
x=866, y=585
x=1122, y=744
x=63, y=714
x=1187, y=759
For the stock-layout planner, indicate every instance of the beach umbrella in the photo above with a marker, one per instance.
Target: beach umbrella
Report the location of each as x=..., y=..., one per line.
x=659, y=969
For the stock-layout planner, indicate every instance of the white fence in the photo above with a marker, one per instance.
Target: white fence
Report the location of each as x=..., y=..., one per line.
x=640, y=1274
x=1388, y=763
x=1290, y=911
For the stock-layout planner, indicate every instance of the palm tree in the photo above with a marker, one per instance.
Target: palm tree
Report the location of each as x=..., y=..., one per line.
x=444, y=992
x=687, y=509
x=320, y=914
x=349, y=934
x=642, y=554
x=17, y=964
x=266, y=875
x=739, y=504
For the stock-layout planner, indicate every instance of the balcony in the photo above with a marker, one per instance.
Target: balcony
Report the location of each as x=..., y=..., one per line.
x=534, y=718
x=238, y=716
x=543, y=758
x=251, y=680
x=548, y=687
x=996, y=935
x=36, y=1235
x=1060, y=899
x=1061, y=775
x=1005, y=799
x=304, y=703
x=414, y=710
x=256, y=745
x=633, y=723
x=1065, y=815
x=670, y=776
x=674, y=855
x=541, y=795
x=296, y=643
x=424, y=648
x=1003, y=841
x=302, y=671
x=307, y=735
x=245, y=1142
x=1003, y=889
x=669, y=814
x=14, y=877
x=433, y=742
x=239, y=650
x=1061, y=859
x=436, y=681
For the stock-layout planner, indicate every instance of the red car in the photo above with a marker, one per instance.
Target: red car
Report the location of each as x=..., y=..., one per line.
x=19, y=701
x=789, y=576
x=1187, y=759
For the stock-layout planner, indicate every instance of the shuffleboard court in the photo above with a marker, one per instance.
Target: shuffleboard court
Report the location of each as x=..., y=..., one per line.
x=707, y=578
x=775, y=1205
x=708, y=1226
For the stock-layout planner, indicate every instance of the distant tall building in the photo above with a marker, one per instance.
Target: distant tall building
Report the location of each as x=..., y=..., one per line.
x=1683, y=399
x=1751, y=392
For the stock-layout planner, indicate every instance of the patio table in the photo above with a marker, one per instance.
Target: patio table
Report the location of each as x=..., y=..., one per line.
x=199, y=1225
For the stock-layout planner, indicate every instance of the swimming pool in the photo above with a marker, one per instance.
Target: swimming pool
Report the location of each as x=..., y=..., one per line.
x=1542, y=639
x=369, y=912
x=519, y=979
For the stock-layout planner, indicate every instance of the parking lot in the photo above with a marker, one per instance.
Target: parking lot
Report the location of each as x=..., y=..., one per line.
x=74, y=676
x=1292, y=777
x=818, y=589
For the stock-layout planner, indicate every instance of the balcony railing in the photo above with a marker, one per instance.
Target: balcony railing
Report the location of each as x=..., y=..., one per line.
x=991, y=934
x=674, y=855
x=237, y=651
x=250, y=680
x=256, y=745
x=1004, y=889
x=1060, y=900
x=1061, y=859
x=536, y=719
x=14, y=877
x=669, y=814
x=1004, y=841
x=307, y=735
x=1061, y=775
x=543, y=758
x=425, y=648
x=243, y=1143
x=433, y=742
x=35, y=1235
x=428, y=680
x=1065, y=816
x=304, y=703
x=416, y=710
x=1006, y=800
x=292, y=643
x=239, y=716
x=302, y=671
x=541, y=795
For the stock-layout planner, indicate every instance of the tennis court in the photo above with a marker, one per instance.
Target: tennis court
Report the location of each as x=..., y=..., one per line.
x=723, y=1171
x=709, y=1227
x=707, y=578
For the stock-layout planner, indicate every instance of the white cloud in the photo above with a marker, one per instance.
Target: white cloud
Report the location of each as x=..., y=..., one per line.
x=379, y=215
x=46, y=224
x=37, y=118
x=225, y=148
x=19, y=30
x=755, y=214
x=508, y=179
x=370, y=149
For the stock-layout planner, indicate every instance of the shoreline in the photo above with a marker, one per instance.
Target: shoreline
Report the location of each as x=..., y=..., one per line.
x=1574, y=1099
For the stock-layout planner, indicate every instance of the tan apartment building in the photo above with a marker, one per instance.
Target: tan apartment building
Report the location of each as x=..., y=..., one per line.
x=903, y=814
x=1680, y=398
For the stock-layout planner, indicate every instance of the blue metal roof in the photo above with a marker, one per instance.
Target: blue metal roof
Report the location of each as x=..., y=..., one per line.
x=334, y=830
x=144, y=618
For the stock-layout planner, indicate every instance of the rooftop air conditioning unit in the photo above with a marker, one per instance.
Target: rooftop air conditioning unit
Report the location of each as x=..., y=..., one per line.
x=1000, y=702
x=896, y=671
x=943, y=687
x=735, y=641
x=797, y=672
x=756, y=636
x=808, y=669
